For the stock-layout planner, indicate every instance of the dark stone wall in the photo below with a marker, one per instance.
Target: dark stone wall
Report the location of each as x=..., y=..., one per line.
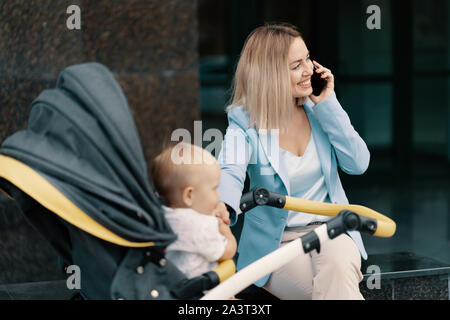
x=150, y=45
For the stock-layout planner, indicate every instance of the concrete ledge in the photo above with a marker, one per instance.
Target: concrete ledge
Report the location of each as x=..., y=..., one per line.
x=406, y=276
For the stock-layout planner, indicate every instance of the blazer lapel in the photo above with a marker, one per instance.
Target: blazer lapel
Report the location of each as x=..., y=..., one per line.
x=269, y=143
x=271, y=147
x=323, y=145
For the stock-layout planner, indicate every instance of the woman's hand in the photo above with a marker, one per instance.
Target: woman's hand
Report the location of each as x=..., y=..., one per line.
x=328, y=89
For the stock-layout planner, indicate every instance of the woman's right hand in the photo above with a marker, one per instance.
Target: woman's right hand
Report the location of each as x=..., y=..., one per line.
x=329, y=88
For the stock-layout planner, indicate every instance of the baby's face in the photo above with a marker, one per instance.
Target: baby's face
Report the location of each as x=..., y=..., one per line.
x=205, y=194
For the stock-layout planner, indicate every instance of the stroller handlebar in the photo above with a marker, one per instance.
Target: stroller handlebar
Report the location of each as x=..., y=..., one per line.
x=382, y=225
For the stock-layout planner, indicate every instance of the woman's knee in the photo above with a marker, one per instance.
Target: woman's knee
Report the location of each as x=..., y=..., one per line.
x=340, y=255
x=343, y=246
x=293, y=280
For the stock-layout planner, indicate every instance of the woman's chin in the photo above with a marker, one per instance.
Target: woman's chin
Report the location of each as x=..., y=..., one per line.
x=303, y=95
x=304, y=92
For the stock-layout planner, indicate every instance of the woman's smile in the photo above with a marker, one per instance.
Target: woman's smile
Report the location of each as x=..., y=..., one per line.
x=305, y=84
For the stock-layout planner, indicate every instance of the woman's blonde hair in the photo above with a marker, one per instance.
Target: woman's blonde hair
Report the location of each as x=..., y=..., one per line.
x=262, y=82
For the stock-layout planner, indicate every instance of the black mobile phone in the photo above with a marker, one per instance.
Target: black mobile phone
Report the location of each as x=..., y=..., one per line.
x=317, y=82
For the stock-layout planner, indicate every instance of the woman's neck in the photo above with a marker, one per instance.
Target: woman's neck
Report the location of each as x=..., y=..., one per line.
x=298, y=119
x=299, y=101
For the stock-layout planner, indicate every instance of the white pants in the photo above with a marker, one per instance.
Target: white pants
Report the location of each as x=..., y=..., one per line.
x=334, y=273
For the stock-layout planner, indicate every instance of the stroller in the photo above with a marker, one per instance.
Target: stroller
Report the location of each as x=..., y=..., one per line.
x=78, y=175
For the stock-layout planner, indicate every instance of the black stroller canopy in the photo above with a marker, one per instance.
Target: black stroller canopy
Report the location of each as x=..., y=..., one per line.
x=82, y=139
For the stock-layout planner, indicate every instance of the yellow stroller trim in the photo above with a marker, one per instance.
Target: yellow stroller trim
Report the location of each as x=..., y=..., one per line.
x=385, y=226
x=225, y=269
x=38, y=188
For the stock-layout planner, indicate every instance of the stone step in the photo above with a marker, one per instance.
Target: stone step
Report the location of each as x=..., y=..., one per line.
x=404, y=276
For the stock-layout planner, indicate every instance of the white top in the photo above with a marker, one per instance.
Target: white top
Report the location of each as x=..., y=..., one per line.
x=199, y=244
x=307, y=182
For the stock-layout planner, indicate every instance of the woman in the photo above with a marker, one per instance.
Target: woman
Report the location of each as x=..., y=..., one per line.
x=291, y=142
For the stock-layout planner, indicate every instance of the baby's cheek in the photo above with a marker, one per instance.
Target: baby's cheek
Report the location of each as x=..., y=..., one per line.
x=213, y=205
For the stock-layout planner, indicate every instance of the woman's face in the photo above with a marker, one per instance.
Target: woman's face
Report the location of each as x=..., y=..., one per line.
x=300, y=68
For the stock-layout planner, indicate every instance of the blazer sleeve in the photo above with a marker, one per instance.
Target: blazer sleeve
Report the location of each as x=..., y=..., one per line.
x=351, y=151
x=233, y=160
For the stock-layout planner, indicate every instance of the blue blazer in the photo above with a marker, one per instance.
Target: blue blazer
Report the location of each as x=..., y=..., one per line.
x=244, y=149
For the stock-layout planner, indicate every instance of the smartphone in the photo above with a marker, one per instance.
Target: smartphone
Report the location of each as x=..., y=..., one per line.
x=317, y=82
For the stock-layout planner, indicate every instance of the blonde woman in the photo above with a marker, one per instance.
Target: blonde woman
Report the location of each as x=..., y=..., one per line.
x=291, y=142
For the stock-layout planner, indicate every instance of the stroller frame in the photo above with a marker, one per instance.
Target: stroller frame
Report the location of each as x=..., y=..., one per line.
x=367, y=220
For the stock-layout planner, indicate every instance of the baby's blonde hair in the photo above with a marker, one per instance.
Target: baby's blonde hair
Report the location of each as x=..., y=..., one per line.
x=262, y=82
x=172, y=169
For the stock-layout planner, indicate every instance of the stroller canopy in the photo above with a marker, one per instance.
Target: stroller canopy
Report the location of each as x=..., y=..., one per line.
x=81, y=138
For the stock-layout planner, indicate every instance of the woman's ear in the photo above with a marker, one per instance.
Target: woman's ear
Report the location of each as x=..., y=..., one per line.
x=187, y=196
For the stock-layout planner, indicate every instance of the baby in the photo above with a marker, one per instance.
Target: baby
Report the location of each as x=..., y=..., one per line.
x=187, y=177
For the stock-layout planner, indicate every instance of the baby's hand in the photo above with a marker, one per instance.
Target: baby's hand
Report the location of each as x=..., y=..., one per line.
x=231, y=244
x=223, y=227
x=222, y=213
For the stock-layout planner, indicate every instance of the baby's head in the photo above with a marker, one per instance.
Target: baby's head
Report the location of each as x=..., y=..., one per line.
x=187, y=176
